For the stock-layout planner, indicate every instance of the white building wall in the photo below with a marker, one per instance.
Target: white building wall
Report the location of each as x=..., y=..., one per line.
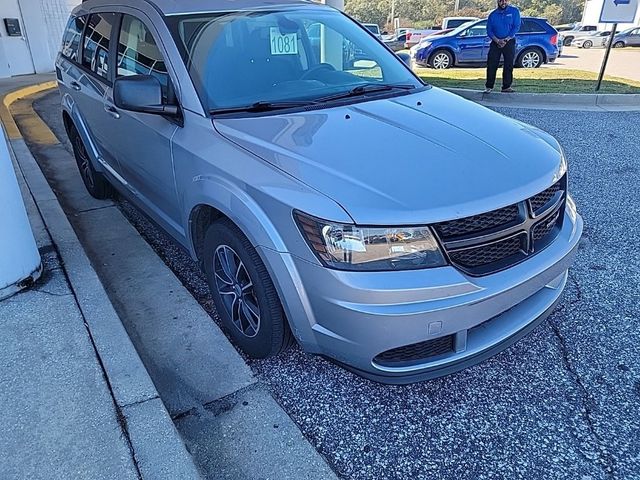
x=42, y=23
x=591, y=16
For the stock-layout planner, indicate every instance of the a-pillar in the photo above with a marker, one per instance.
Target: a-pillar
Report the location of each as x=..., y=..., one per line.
x=331, y=42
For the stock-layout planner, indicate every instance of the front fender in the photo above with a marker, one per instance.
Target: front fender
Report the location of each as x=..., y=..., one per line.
x=235, y=203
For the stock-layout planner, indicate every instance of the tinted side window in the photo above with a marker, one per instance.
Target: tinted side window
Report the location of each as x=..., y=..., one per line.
x=138, y=52
x=530, y=26
x=71, y=38
x=95, y=53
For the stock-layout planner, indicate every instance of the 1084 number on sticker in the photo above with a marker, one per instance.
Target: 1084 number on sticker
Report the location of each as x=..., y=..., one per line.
x=283, y=44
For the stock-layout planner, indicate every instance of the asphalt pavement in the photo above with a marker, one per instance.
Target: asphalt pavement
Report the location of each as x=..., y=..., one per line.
x=562, y=403
x=623, y=62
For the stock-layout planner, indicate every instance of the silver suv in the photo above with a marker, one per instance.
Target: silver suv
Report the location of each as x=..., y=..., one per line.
x=332, y=198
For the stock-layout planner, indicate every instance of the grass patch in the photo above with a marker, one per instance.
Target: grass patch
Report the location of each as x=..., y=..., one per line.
x=536, y=80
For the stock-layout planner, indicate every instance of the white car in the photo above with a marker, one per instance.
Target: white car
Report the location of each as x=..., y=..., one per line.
x=596, y=39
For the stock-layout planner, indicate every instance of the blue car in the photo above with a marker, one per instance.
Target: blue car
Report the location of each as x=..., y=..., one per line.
x=536, y=43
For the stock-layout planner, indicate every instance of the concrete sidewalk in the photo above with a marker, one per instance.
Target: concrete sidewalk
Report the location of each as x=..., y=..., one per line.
x=77, y=400
x=60, y=418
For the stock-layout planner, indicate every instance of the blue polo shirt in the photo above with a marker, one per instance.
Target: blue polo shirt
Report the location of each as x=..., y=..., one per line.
x=503, y=23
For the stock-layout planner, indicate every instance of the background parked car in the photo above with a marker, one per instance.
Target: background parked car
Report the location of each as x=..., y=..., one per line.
x=396, y=43
x=536, y=43
x=449, y=23
x=627, y=38
x=595, y=39
x=576, y=32
x=560, y=44
x=373, y=28
x=414, y=36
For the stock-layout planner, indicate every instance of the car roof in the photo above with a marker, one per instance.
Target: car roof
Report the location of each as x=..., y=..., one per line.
x=176, y=7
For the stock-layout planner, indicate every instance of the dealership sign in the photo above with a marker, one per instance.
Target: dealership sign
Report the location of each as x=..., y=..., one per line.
x=619, y=11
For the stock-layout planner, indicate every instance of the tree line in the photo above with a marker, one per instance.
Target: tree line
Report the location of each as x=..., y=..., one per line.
x=427, y=13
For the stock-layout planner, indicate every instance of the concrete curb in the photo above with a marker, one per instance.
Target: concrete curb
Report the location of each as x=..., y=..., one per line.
x=157, y=446
x=575, y=101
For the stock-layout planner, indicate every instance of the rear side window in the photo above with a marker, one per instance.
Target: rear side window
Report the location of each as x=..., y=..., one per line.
x=531, y=26
x=95, y=53
x=138, y=52
x=71, y=38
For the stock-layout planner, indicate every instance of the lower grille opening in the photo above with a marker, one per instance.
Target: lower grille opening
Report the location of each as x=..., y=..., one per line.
x=416, y=352
x=487, y=254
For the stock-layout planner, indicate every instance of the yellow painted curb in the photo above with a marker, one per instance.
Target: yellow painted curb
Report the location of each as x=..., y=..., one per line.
x=42, y=136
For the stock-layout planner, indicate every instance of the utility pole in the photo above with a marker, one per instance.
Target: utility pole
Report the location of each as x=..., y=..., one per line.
x=456, y=7
x=393, y=13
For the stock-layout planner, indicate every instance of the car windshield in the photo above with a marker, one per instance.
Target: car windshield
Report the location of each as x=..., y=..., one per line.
x=292, y=54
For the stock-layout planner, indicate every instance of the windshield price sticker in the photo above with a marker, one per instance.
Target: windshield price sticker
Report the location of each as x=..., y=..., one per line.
x=286, y=44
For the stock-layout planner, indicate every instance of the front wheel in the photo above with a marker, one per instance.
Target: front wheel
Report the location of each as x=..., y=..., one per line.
x=529, y=59
x=618, y=45
x=441, y=59
x=244, y=295
x=587, y=44
x=95, y=183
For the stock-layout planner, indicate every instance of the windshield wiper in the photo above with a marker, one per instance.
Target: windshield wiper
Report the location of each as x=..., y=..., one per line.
x=261, y=106
x=364, y=89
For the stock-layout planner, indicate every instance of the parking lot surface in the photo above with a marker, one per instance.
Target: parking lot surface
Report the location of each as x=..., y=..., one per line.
x=623, y=62
x=562, y=403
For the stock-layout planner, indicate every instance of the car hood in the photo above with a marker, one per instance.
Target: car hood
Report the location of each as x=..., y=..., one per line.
x=413, y=159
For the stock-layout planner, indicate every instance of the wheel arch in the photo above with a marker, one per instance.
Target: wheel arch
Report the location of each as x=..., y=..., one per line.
x=211, y=199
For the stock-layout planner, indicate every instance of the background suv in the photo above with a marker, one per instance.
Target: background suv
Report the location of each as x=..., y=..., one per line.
x=536, y=43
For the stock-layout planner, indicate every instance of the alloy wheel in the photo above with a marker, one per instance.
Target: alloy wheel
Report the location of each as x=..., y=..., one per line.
x=441, y=61
x=236, y=290
x=531, y=60
x=83, y=162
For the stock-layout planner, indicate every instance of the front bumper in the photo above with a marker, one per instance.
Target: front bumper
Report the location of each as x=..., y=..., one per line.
x=352, y=317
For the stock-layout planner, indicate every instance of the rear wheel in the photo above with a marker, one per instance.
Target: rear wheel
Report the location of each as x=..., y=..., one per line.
x=441, y=59
x=530, y=58
x=567, y=41
x=244, y=295
x=587, y=44
x=95, y=183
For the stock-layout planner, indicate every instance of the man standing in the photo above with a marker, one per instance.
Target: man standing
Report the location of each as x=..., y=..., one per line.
x=502, y=26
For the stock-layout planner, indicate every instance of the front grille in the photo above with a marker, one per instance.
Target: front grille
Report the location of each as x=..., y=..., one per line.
x=541, y=200
x=544, y=228
x=490, y=242
x=485, y=221
x=416, y=352
x=490, y=253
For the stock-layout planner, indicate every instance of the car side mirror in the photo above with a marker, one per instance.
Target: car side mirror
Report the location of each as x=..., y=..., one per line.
x=405, y=57
x=141, y=93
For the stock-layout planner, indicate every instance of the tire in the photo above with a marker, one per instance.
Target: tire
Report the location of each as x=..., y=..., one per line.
x=246, y=301
x=530, y=58
x=441, y=59
x=95, y=183
x=587, y=44
x=618, y=44
x=567, y=41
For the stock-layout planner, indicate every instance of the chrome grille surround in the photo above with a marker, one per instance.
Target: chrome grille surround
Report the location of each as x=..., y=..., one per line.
x=496, y=240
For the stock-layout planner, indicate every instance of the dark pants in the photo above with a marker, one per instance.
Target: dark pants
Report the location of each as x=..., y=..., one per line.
x=508, y=52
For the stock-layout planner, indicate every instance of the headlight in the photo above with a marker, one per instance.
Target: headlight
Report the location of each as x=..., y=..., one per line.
x=349, y=247
x=425, y=44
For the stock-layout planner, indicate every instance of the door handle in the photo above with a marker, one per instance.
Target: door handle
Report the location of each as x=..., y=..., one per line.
x=76, y=86
x=111, y=110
